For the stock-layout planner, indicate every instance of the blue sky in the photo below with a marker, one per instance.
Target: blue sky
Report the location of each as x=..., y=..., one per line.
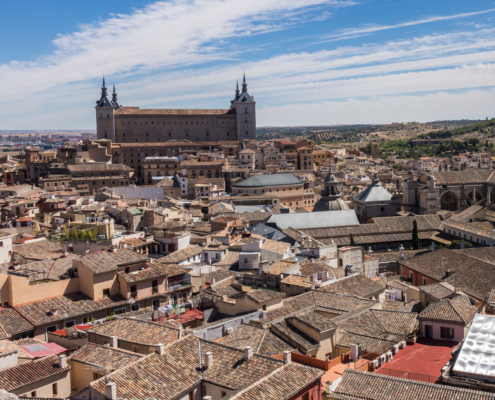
x=307, y=62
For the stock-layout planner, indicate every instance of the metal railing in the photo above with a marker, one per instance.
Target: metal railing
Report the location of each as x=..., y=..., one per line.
x=178, y=284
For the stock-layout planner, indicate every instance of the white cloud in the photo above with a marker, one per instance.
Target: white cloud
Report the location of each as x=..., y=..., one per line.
x=475, y=104
x=166, y=34
x=356, y=32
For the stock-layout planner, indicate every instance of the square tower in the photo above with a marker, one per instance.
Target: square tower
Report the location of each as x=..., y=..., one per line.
x=245, y=108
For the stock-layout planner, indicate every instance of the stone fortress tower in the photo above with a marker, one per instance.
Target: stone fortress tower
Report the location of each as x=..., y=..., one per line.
x=132, y=124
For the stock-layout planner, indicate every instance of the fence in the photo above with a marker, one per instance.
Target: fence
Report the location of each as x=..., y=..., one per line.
x=407, y=375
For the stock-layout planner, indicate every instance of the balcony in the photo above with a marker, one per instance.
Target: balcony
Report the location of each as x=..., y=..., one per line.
x=134, y=295
x=175, y=285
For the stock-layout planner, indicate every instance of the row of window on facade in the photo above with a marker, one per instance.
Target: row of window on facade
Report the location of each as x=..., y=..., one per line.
x=179, y=123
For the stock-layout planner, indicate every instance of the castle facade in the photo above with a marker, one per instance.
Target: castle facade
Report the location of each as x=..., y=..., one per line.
x=134, y=125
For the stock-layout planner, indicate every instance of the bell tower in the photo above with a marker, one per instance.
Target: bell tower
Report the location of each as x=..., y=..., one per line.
x=245, y=108
x=105, y=120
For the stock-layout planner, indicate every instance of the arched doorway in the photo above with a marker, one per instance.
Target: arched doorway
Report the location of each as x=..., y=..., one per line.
x=449, y=201
x=479, y=196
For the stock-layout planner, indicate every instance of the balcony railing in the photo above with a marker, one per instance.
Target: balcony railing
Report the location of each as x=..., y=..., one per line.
x=134, y=295
x=178, y=284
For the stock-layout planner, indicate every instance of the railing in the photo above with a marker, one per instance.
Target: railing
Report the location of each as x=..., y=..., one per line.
x=134, y=295
x=407, y=375
x=177, y=284
x=154, y=290
x=249, y=265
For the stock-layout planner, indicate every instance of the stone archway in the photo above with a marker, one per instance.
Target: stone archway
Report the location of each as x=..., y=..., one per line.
x=449, y=202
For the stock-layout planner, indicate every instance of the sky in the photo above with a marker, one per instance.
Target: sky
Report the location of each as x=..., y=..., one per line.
x=307, y=62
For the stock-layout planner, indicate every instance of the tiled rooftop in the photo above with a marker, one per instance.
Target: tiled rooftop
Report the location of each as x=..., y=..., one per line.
x=74, y=304
x=356, y=285
x=22, y=375
x=13, y=323
x=103, y=356
x=137, y=331
x=107, y=261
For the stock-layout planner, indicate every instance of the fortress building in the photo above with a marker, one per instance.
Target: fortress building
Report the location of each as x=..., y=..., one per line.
x=132, y=124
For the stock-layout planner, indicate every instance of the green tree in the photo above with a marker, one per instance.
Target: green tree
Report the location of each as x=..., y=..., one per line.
x=81, y=235
x=351, y=238
x=415, y=236
x=89, y=234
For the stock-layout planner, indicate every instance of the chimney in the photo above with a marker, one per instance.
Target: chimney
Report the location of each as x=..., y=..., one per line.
x=111, y=390
x=248, y=353
x=114, y=342
x=62, y=361
x=160, y=349
x=287, y=357
x=208, y=359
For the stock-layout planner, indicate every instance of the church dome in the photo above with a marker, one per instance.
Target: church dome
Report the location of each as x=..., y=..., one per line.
x=330, y=197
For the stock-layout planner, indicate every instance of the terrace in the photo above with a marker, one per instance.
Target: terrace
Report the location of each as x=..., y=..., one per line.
x=422, y=361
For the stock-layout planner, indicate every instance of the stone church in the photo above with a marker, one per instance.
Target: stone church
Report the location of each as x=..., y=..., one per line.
x=448, y=190
x=131, y=124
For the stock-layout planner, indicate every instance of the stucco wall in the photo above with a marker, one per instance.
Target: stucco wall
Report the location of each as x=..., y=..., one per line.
x=459, y=330
x=81, y=375
x=21, y=292
x=44, y=389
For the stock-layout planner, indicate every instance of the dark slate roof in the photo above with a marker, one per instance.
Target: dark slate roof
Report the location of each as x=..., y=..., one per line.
x=19, y=376
x=224, y=288
x=107, y=261
x=359, y=385
x=324, y=219
x=270, y=233
x=375, y=192
x=12, y=323
x=355, y=285
x=103, y=356
x=268, y=180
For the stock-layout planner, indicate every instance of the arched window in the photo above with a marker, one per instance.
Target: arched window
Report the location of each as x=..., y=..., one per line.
x=147, y=133
x=108, y=115
x=247, y=133
x=169, y=133
x=123, y=133
x=449, y=201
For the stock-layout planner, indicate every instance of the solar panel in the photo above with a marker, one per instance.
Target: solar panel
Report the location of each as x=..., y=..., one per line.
x=35, y=347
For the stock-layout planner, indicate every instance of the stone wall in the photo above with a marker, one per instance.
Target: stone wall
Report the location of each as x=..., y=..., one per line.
x=161, y=128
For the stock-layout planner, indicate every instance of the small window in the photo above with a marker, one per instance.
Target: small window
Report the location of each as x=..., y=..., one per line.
x=446, y=333
x=135, y=349
x=87, y=319
x=424, y=281
x=305, y=396
x=119, y=310
x=55, y=389
x=95, y=376
x=224, y=393
x=33, y=394
x=135, y=307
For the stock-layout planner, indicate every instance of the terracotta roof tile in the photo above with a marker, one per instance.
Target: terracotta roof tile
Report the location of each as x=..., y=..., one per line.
x=103, y=356
x=12, y=323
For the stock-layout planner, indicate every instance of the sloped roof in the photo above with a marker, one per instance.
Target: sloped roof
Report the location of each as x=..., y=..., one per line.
x=323, y=219
x=102, y=356
x=355, y=285
x=268, y=180
x=449, y=310
x=107, y=261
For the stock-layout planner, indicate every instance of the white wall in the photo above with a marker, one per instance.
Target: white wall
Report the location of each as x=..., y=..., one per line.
x=6, y=249
x=458, y=330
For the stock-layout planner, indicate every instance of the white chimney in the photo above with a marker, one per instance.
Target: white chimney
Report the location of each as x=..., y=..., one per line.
x=208, y=359
x=125, y=245
x=114, y=342
x=248, y=353
x=62, y=361
x=111, y=390
x=160, y=349
x=287, y=356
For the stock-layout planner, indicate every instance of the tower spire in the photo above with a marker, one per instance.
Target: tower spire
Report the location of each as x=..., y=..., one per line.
x=237, y=89
x=244, y=84
x=114, y=95
x=104, y=88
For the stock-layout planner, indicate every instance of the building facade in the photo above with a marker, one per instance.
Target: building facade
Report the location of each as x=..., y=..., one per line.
x=132, y=124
